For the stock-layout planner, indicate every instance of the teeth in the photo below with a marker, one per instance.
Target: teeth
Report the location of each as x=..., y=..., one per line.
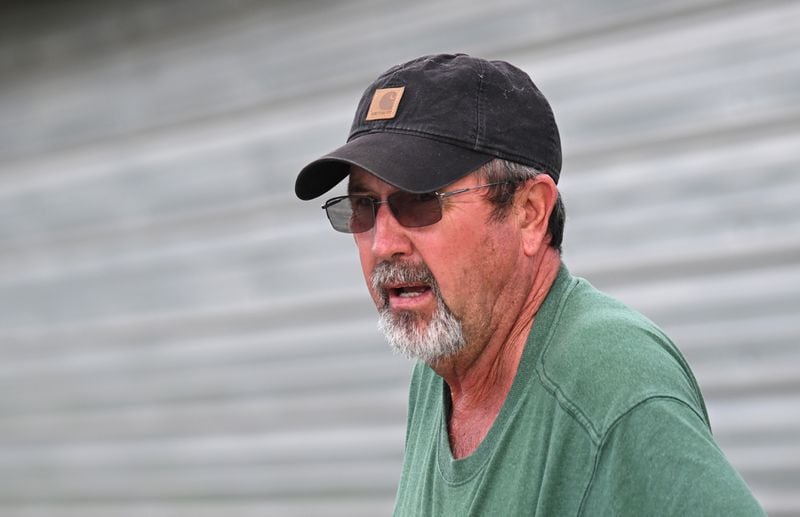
x=411, y=291
x=409, y=294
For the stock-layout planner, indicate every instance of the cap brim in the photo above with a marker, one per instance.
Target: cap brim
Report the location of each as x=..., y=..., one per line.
x=411, y=163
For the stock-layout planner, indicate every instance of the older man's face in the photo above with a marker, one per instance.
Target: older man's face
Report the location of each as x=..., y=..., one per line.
x=438, y=288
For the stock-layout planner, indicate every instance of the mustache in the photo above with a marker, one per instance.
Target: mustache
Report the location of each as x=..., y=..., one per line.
x=386, y=273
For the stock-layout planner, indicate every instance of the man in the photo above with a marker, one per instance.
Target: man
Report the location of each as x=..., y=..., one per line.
x=534, y=393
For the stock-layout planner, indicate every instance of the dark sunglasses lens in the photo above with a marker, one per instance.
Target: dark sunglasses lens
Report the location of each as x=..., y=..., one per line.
x=352, y=214
x=415, y=210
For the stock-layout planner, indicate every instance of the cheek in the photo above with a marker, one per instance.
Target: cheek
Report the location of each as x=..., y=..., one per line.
x=474, y=270
x=367, y=261
x=453, y=268
x=363, y=253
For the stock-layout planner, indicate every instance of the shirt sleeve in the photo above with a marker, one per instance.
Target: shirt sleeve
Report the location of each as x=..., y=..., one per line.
x=659, y=458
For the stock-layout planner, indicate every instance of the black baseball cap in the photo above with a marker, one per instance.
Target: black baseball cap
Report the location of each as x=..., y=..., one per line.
x=426, y=123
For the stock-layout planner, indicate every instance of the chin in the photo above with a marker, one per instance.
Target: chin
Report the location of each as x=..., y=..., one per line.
x=429, y=340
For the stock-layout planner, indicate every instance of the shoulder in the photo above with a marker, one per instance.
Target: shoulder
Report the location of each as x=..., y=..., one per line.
x=660, y=458
x=602, y=358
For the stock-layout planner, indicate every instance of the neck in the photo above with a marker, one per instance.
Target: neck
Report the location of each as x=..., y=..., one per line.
x=480, y=378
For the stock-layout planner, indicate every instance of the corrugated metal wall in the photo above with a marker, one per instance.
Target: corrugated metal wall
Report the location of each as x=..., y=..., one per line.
x=179, y=336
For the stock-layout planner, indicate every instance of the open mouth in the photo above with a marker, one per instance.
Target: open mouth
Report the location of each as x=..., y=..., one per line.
x=403, y=287
x=409, y=297
x=408, y=291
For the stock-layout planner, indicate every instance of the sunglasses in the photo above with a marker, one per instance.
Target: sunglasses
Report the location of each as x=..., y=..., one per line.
x=356, y=213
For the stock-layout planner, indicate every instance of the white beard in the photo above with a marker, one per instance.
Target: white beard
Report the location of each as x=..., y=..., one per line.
x=407, y=332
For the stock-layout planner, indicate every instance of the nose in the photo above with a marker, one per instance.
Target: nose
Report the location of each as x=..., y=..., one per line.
x=389, y=237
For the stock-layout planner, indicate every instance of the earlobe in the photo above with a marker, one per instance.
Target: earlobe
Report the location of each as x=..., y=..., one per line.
x=538, y=197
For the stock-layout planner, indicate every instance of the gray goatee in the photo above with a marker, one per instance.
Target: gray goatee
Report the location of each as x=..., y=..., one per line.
x=407, y=331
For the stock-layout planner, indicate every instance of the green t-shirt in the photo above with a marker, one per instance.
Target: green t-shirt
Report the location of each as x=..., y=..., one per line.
x=604, y=418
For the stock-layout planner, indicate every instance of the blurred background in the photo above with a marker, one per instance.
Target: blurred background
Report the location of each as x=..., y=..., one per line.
x=180, y=336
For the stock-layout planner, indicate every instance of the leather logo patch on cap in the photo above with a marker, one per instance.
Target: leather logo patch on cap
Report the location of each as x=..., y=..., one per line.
x=384, y=103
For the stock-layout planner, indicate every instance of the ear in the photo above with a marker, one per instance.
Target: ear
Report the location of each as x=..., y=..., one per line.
x=535, y=201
